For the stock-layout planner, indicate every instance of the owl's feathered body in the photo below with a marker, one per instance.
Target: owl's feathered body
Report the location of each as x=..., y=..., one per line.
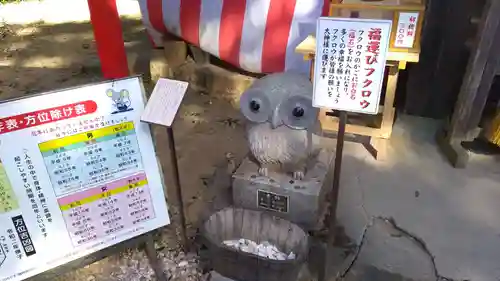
x=288, y=148
x=283, y=124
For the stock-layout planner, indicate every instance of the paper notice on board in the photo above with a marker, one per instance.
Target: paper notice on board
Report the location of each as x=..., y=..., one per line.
x=164, y=102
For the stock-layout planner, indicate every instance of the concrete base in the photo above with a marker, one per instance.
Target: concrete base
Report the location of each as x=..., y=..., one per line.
x=303, y=276
x=229, y=85
x=202, y=77
x=214, y=276
x=302, y=202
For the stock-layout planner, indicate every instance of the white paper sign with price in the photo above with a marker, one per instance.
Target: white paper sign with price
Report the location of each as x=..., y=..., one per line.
x=78, y=173
x=350, y=63
x=406, y=30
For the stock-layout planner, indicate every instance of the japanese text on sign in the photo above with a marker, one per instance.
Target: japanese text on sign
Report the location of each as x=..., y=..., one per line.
x=77, y=170
x=40, y=117
x=350, y=63
x=406, y=30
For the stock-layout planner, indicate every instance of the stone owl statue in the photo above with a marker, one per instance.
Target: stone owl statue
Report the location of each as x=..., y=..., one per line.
x=283, y=129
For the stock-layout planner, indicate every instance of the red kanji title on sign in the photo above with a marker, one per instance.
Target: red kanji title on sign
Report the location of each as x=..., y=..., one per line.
x=45, y=116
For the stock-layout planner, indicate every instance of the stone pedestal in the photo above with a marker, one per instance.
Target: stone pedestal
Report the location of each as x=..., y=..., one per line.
x=302, y=202
x=214, y=276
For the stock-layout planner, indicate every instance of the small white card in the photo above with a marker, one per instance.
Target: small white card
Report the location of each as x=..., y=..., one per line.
x=164, y=102
x=406, y=30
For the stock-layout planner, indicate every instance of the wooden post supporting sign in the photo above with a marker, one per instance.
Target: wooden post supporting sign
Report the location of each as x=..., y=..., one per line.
x=161, y=109
x=178, y=193
x=323, y=274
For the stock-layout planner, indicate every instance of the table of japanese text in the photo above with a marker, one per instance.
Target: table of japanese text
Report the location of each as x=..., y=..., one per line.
x=350, y=64
x=99, y=180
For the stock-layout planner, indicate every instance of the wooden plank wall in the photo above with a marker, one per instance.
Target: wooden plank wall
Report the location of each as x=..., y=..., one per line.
x=434, y=82
x=479, y=76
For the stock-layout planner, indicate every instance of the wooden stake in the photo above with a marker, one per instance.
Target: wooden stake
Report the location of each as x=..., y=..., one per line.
x=153, y=258
x=178, y=190
x=323, y=274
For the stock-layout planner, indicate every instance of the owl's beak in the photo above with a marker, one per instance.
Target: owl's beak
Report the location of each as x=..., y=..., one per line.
x=276, y=121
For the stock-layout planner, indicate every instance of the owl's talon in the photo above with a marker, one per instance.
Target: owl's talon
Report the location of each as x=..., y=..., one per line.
x=298, y=175
x=263, y=171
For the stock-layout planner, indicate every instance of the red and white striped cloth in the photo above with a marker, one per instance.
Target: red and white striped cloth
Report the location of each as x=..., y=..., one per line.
x=255, y=35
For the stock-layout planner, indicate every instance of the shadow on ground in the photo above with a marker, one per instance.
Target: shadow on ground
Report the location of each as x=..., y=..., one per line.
x=37, y=58
x=42, y=57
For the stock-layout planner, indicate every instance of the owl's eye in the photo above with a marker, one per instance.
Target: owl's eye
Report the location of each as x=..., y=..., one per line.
x=254, y=106
x=298, y=112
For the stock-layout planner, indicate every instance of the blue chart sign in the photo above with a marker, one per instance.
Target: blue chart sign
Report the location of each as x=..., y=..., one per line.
x=78, y=173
